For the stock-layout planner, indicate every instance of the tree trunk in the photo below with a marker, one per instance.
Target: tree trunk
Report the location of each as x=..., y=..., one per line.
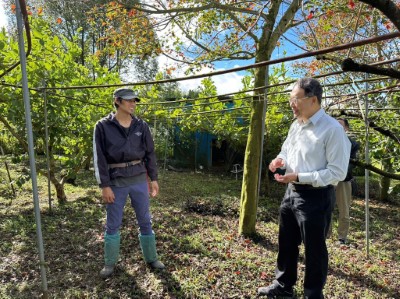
x=60, y=192
x=83, y=33
x=87, y=162
x=385, y=182
x=265, y=46
x=249, y=196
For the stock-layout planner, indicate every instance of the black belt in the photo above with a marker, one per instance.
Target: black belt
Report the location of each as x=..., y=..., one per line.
x=124, y=164
x=300, y=187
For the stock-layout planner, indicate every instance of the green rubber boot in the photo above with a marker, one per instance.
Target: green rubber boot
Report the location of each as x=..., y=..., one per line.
x=148, y=246
x=111, y=253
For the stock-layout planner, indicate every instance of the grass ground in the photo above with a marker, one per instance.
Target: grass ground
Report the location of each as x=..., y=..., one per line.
x=195, y=218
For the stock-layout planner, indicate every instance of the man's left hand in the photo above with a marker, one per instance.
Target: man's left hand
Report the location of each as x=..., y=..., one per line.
x=154, y=188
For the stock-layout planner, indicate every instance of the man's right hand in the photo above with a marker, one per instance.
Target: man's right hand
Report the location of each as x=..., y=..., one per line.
x=107, y=194
x=276, y=163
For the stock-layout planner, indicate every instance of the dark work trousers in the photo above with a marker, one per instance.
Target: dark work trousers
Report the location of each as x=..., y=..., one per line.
x=305, y=215
x=139, y=194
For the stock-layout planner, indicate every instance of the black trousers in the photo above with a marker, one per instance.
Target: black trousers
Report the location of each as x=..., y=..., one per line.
x=305, y=215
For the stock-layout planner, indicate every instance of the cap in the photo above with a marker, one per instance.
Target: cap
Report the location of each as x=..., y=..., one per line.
x=126, y=94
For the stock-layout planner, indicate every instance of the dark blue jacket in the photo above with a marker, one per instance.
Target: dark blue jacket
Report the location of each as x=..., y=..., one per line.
x=353, y=155
x=112, y=144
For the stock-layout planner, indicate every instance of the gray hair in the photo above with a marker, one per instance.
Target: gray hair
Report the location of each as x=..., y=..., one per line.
x=311, y=87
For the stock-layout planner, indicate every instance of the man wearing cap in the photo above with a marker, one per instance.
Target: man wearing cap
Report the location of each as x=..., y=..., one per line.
x=123, y=154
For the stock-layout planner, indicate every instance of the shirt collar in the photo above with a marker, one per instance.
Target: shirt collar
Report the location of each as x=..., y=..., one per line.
x=317, y=116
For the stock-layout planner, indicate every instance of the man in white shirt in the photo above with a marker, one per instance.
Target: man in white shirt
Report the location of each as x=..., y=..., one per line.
x=315, y=156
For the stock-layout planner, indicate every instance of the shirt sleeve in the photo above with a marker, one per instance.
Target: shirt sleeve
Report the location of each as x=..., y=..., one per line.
x=150, y=155
x=337, y=153
x=99, y=160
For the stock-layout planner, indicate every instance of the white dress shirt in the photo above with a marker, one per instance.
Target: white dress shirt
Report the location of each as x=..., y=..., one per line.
x=318, y=150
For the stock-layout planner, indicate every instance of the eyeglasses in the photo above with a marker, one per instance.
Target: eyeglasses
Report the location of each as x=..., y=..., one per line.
x=296, y=100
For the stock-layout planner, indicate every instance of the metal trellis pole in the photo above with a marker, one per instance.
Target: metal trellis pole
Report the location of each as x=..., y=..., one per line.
x=166, y=148
x=155, y=128
x=28, y=120
x=195, y=152
x=366, y=170
x=46, y=128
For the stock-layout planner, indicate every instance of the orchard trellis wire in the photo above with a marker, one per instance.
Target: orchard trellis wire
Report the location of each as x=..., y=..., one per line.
x=20, y=15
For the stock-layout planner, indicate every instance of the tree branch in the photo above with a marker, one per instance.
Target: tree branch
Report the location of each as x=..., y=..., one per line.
x=244, y=28
x=284, y=23
x=384, y=132
x=388, y=8
x=151, y=9
x=372, y=125
x=329, y=57
x=395, y=176
x=348, y=65
x=21, y=141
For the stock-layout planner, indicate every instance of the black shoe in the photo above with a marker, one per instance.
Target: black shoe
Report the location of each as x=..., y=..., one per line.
x=107, y=271
x=342, y=242
x=276, y=291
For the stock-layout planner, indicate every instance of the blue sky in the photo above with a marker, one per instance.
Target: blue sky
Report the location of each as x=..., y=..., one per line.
x=3, y=18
